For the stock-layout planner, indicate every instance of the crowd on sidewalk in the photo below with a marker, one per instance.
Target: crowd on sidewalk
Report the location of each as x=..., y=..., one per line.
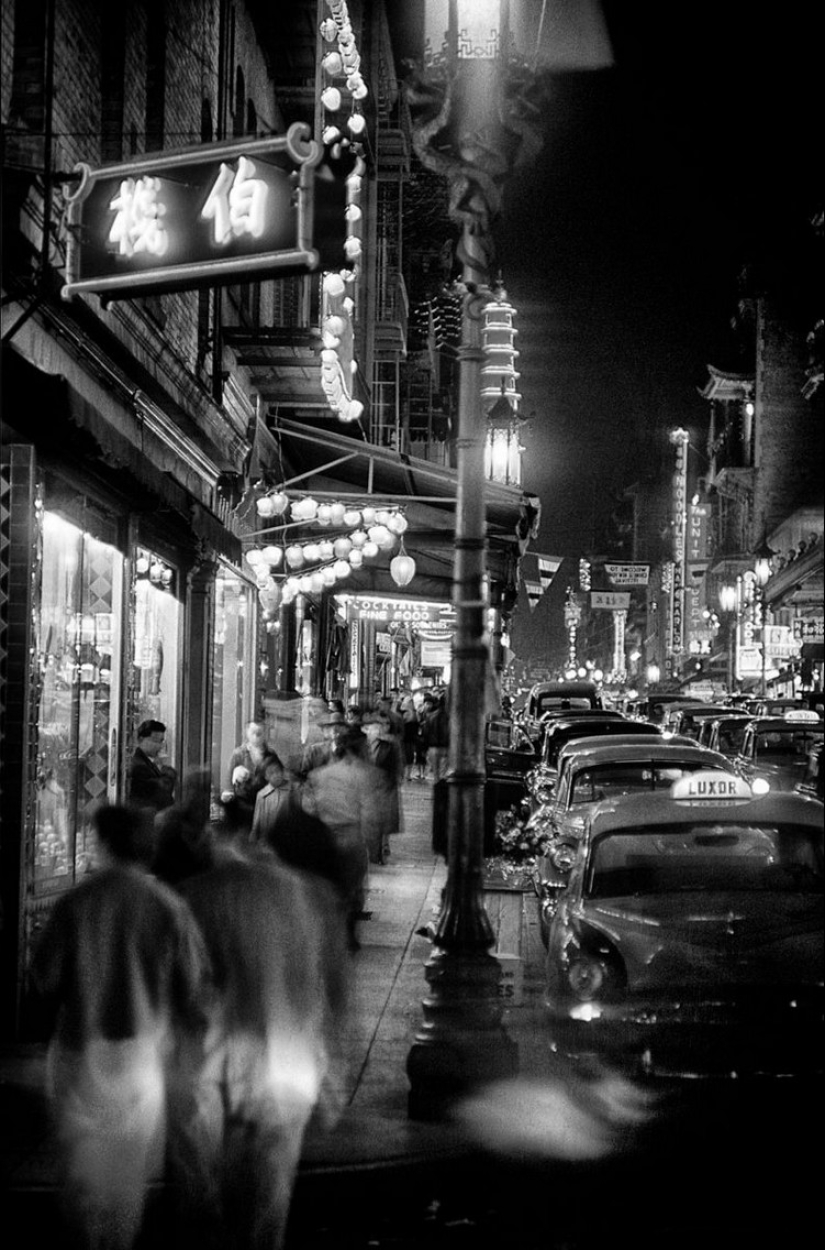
x=194, y=982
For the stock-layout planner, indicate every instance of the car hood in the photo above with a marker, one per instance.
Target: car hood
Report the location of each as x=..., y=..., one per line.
x=689, y=939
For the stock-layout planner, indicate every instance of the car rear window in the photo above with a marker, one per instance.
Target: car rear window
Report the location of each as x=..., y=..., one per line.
x=704, y=857
x=609, y=781
x=551, y=703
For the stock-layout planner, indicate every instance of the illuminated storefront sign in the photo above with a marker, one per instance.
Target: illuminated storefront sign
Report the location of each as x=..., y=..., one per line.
x=405, y=612
x=200, y=216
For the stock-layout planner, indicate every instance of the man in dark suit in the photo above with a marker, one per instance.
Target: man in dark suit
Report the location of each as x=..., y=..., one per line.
x=150, y=784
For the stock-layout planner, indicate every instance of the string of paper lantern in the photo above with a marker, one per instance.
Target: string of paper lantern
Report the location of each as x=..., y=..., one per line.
x=327, y=560
x=338, y=364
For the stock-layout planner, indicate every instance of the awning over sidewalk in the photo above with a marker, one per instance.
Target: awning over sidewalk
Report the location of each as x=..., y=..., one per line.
x=326, y=463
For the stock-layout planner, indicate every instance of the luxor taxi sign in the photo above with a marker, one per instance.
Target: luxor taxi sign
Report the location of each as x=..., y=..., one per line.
x=194, y=217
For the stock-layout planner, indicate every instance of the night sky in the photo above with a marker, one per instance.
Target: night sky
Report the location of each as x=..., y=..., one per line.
x=660, y=176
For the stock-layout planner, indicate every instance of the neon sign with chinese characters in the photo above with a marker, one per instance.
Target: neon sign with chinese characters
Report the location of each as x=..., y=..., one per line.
x=168, y=221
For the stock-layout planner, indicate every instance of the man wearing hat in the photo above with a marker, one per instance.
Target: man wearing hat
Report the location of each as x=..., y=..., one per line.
x=333, y=728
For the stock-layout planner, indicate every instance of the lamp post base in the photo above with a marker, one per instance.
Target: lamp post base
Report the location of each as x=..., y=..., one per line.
x=462, y=1043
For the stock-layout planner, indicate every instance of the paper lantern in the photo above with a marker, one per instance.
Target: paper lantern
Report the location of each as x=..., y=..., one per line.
x=402, y=568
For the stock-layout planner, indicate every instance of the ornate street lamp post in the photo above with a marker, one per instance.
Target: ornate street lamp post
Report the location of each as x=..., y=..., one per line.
x=729, y=604
x=763, y=569
x=475, y=105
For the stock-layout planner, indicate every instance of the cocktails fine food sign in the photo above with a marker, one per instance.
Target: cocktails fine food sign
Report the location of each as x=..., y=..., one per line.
x=195, y=217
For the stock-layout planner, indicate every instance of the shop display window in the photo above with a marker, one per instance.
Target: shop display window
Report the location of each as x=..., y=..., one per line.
x=157, y=658
x=233, y=670
x=77, y=627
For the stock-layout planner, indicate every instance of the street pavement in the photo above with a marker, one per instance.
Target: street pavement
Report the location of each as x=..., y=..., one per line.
x=549, y=1160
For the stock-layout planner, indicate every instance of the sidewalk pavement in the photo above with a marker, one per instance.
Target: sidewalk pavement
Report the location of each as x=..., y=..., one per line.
x=374, y=1134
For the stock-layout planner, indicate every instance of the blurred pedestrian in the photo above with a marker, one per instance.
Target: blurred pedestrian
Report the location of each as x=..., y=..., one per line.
x=421, y=746
x=277, y=946
x=122, y=968
x=343, y=794
x=151, y=784
x=247, y=768
x=436, y=731
x=269, y=801
x=334, y=727
x=183, y=832
x=384, y=707
x=384, y=752
x=409, y=735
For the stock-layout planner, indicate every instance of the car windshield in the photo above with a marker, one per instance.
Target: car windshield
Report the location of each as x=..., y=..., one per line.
x=730, y=735
x=609, y=781
x=704, y=857
x=780, y=746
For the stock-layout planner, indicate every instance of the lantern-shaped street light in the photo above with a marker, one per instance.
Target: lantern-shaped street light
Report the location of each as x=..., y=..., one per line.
x=475, y=105
x=729, y=605
x=763, y=568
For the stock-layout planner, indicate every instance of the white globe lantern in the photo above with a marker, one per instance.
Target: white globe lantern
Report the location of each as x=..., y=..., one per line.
x=352, y=517
x=342, y=547
x=370, y=549
x=402, y=568
x=272, y=556
x=358, y=538
x=294, y=556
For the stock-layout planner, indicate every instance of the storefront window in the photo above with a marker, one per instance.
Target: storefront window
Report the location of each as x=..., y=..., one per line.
x=156, y=662
x=233, y=669
x=77, y=645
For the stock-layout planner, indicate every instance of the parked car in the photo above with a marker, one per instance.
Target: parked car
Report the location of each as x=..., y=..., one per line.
x=542, y=779
x=508, y=756
x=813, y=779
x=774, y=753
x=688, y=719
x=655, y=706
x=593, y=769
x=724, y=733
x=547, y=696
x=688, y=940
x=538, y=729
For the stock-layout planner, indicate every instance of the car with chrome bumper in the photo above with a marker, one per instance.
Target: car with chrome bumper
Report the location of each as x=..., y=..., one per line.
x=593, y=769
x=774, y=752
x=688, y=941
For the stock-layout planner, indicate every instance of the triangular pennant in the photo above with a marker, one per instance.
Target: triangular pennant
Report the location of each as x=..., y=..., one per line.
x=534, y=592
x=548, y=568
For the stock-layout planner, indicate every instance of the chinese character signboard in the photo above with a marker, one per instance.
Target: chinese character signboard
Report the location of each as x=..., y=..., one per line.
x=171, y=220
x=809, y=629
x=614, y=600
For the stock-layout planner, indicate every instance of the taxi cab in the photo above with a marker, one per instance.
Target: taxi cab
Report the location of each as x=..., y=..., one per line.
x=594, y=769
x=688, y=940
x=724, y=733
x=774, y=751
